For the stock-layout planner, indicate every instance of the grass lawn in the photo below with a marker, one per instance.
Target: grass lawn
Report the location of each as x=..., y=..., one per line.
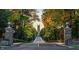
x=75, y=46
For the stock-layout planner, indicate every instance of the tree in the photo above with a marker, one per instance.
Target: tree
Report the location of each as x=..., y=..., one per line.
x=4, y=14
x=52, y=19
x=19, y=19
x=56, y=18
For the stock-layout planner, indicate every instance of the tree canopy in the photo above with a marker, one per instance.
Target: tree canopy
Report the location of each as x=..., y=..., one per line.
x=53, y=20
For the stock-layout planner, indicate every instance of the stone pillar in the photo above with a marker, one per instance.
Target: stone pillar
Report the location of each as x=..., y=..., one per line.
x=67, y=35
x=8, y=36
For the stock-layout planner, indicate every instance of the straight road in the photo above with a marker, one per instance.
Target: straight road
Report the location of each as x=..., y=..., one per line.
x=30, y=46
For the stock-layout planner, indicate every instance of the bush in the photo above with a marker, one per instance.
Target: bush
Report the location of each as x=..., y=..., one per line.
x=49, y=34
x=25, y=33
x=29, y=32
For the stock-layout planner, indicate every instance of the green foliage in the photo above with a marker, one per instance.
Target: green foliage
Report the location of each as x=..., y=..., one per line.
x=49, y=34
x=15, y=15
x=74, y=29
x=52, y=18
x=26, y=33
x=19, y=18
x=4, y=14
x=29, y=31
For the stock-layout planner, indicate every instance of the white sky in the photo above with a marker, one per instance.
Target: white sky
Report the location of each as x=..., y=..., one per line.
x=39, y=13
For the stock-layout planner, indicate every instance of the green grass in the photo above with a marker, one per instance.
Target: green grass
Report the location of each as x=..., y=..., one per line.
x=75, y=46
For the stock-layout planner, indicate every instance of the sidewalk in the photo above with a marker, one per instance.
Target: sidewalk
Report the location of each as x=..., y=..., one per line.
x=17, y=44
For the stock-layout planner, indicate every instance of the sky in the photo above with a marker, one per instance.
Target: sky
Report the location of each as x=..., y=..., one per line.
x=39, y=13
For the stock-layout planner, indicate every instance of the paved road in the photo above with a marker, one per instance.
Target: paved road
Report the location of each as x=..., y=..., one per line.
x=26, y=46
